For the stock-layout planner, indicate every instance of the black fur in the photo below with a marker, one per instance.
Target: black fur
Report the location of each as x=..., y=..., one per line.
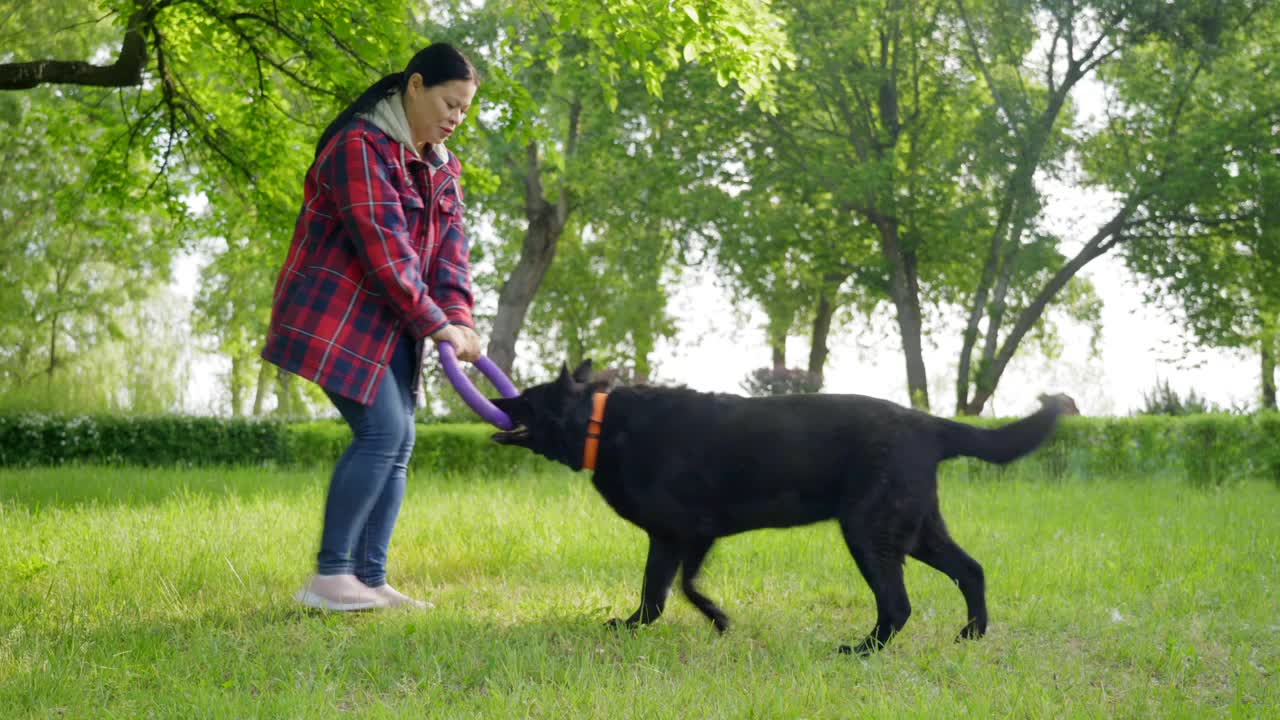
x=691, y=467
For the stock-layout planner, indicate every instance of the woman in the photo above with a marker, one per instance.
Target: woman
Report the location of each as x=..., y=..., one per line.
x=378, y=264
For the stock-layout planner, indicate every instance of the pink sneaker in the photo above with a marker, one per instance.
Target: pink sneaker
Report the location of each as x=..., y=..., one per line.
x=339, y=593
x=395, y=598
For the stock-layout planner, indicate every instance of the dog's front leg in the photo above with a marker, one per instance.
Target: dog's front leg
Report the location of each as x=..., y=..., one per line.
x=659, y=573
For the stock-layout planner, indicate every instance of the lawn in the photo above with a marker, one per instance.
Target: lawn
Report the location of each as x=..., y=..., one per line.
x=166, y=593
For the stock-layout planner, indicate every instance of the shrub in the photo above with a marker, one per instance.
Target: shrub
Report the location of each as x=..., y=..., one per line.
x=781, y=381
x=1164, y=400
x=1206, y=449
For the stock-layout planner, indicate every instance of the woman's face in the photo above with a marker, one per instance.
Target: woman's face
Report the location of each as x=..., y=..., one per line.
x=435, y=112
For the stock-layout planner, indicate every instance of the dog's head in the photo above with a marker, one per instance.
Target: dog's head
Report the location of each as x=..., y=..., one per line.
x=551, y=419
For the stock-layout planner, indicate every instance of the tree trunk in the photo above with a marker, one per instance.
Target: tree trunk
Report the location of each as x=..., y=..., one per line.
x=778, y=351
x=236, y=386
x=821, y=330
x=1015, y=212
x=518, y=291
x=284, y=398
x=776, y=331
x=260, y=392
x=547, y=221
x=904, y=289
x=1269, y=371
x=53, y=349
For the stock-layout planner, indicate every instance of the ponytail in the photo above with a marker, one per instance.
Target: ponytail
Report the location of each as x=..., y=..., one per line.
x=363, y=104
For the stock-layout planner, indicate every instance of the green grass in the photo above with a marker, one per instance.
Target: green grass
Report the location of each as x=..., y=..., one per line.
x=151, y=593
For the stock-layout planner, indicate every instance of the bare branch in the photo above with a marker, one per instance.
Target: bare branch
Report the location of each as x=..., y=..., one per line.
x=1050, y=80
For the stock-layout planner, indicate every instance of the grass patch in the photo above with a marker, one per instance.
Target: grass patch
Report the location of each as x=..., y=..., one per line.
x=165, y=593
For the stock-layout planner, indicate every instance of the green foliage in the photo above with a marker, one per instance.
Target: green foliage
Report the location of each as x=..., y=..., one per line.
x=169, y=440
x=166, y=594
x=81, y=253
x=439, y=449
x=738, y=39
x=604, y=300
x=1164, y=400
x=915, y=137
x=1203, y=108
x=29, y=439
x=1210, y=449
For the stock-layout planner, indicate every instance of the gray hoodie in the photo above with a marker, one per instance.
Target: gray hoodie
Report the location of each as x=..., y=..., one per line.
x=389, y=116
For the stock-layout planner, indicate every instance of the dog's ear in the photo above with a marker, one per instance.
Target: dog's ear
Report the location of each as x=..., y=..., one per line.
x=583, y=373
x=565, y=377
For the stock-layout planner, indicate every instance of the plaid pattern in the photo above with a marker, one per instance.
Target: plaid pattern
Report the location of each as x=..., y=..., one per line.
x=379, y=250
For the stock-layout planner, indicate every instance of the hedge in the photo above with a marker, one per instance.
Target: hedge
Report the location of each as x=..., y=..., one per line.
x=41, y=440
x=1208, y=449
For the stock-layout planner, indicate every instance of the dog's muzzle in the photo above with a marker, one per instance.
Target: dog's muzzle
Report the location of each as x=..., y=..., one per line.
x=516, y=435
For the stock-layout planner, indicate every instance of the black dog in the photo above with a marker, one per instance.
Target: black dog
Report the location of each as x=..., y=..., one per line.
x=690, y=467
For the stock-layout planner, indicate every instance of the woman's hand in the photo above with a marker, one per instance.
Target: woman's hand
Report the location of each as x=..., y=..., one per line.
x=473, y=342
x=465, y=341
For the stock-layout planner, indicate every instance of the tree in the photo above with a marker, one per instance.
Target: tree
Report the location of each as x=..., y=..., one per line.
x=1211, y=248
x=570, y=60
x=195, y=70
x=234, y=92
x=1084, y=39
x=866, y=172
x=80, y=256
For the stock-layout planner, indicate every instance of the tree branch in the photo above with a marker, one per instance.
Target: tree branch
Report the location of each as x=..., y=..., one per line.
x=571, y=150
x=126, y=71
x=1106, y=237
x=974, y=47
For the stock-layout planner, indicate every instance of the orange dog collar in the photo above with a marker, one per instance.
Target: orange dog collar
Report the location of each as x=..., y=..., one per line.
x=593, y=431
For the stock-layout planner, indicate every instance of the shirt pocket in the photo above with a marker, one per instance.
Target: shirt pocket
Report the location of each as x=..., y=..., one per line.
x=450, y=208
x=415, y=219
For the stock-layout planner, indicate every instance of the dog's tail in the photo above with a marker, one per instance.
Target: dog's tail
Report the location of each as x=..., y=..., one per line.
x=1002, y=444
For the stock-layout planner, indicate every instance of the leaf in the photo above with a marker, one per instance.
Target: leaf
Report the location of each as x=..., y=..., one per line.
x=692, y=13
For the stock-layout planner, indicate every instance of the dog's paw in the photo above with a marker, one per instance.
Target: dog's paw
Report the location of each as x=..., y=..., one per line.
x=618, y=624
x=864, y=649
x=971, y=632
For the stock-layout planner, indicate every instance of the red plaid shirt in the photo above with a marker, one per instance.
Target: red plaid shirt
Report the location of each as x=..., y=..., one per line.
x=379, y=250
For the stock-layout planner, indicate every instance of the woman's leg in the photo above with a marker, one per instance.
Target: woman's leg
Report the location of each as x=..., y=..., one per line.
x=357, y=486
x=375, y=538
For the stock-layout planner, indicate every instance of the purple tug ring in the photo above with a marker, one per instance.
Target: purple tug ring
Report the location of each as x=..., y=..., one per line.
x=476, y=401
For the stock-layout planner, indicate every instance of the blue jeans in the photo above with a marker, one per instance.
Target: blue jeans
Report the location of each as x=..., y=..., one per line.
x=368, y=482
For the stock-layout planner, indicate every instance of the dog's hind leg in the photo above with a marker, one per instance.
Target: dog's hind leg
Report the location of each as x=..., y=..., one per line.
x=936, y=549
x=694, y=553
x=659, y=572
x=880, y=560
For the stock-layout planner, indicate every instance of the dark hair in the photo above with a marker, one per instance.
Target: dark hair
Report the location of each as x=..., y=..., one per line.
x=438, y=63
